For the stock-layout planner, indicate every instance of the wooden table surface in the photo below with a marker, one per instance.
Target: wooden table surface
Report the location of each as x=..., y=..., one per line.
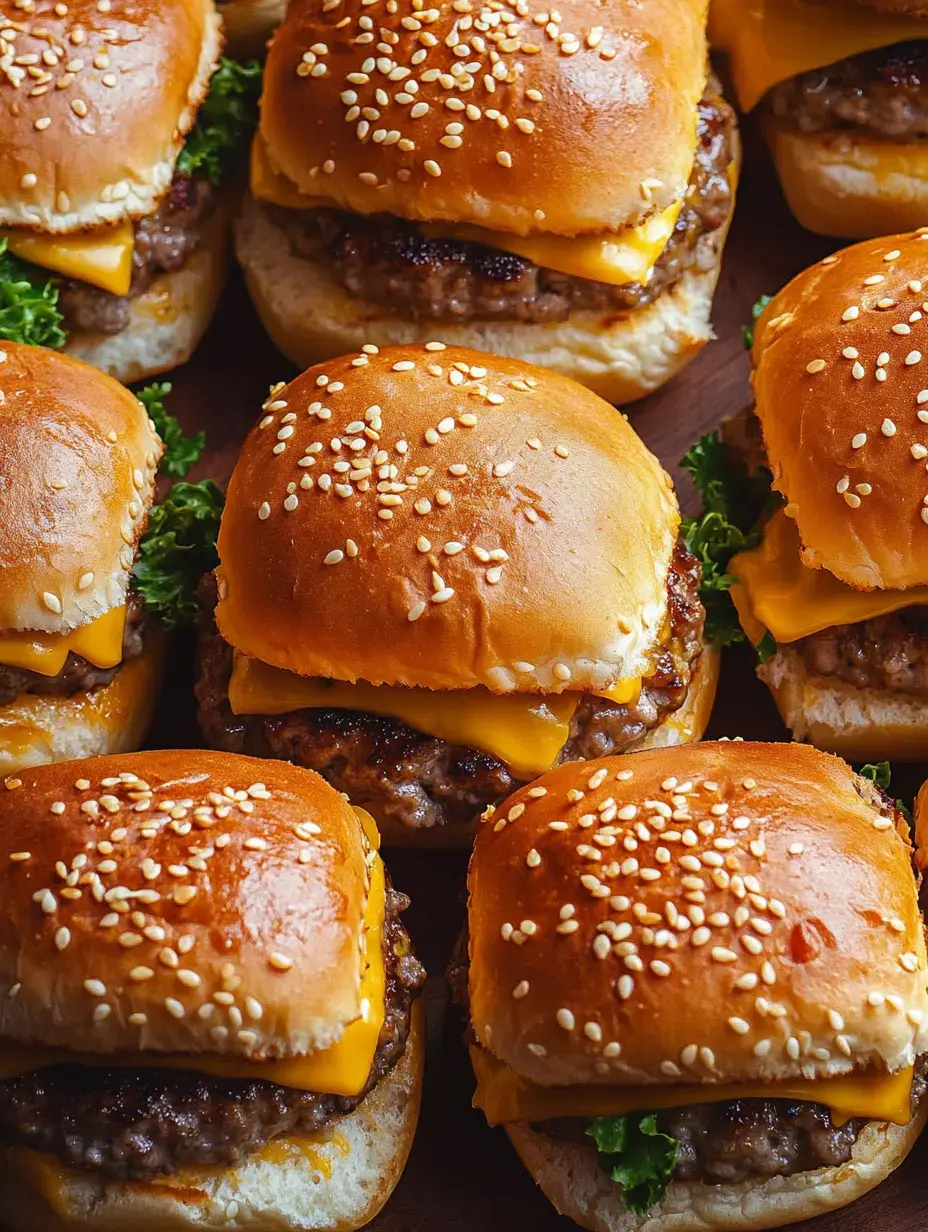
x=463, y=1177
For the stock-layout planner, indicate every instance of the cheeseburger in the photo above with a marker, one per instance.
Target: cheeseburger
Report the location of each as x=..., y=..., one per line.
x=554, y=185
x=697, y=986
x=207, y=1000
x=78, y=663
x=835, y=593
x=111, y=237
x=841, y=90
x=442, y=573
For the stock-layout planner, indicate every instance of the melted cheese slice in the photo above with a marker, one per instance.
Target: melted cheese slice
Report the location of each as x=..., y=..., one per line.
x=506, y=1097
x=342, y=1069
x=102, y=257
x=776, y=592
x=628, y=256
x=100, y=642
x=769, y=41
x=524, y=730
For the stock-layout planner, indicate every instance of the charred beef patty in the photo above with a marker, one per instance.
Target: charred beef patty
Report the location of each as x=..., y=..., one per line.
x=137, y=1124
x=888, y=652
x=78, y=675
x=387, y=261
x=164, y=241
x=415, y=778
x=883, y=93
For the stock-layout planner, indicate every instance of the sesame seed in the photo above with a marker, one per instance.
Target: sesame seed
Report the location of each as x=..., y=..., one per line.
x=815, y=365
x=280, y=962
x=566, y=1020
x=888, y=428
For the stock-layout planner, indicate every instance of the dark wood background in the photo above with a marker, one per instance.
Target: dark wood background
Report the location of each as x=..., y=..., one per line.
x=463, y=1177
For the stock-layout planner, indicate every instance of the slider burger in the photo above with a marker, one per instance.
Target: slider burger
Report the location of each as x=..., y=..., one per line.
x=841, y=91
x=207, y=1000
x=836, y=592
x=554, y=185
x=698, y=986
x=247, y=24
x=113, y=236
x=442, y=573
x=78, y=664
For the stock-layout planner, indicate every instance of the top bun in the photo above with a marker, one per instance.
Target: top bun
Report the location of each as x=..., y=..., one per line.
x=841, y=386
x=93, y=123
x=438, y=517
x=724, y=913
x=78, y=456
x=574, y=120
x=247, y=882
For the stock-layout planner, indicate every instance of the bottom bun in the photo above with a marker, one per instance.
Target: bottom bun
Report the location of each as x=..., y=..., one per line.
x=36, y=728
x=247, y=25
x=169, y=319
x=620, y=356
x=849, y=186
x=857, y=724
x=573, y=1183
x=684, y=726
x=338, y=1179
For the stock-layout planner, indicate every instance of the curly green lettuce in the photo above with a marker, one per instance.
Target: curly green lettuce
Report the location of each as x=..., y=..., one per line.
x=733, y=501
x=225, y=121
x=880, y=773
x=29, y=310
x=637, y=1156
x=178, y=547
x=180, y=450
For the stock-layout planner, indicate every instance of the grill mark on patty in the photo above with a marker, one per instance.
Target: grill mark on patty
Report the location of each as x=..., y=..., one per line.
x=138, y=1124
x=78, y=675
x=164, y=241
x=883, y=93
x=390, y=262
x=415, y=778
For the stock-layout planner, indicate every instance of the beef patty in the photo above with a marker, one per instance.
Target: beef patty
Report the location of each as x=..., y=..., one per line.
x=164, y=241
x=387, y=261
x=146, y=1123
x=883, y=93
x=887, y=652
x=415, y=778
x=78, y=675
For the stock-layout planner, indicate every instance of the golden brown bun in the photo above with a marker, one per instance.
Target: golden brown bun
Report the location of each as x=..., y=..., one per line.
x=610, y=139
x=859, y=724
x=800, y=901
x=829, y=425
x=274, y=916
x=100, y=143
x=620, y=356
x=78, y=457
x=247, y=24
x=572, y=1181
x=169, y=318
x=36, y=728
x=583, y=515
x=333, y=1180
x=838, y=183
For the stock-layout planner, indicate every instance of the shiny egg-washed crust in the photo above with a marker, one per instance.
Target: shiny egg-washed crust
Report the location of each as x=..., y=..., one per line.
x=577, y=125
x=267, y=911
x=531, y=555
x=804, y=948
x=847, y=449
x=123, y=87
x=78, y=458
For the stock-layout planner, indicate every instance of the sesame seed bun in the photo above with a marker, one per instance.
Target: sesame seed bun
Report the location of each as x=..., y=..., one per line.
x=247, y=24
x=168, y=320
x=576, y=130
x=269, y=913
x=570, y=1178
x=36, y=728
x=801, y=909
x=78, y=457
x=99, y=143
x=622, y=356
x=837, y=183
x=816, y=357
x=307, y=1184
x=532, y=555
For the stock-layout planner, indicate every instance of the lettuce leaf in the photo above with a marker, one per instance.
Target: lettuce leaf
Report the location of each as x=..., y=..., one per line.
x=177, y=548
x=637, y=1156
x=180, y=450
x=226, y=119
x=28, y=303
